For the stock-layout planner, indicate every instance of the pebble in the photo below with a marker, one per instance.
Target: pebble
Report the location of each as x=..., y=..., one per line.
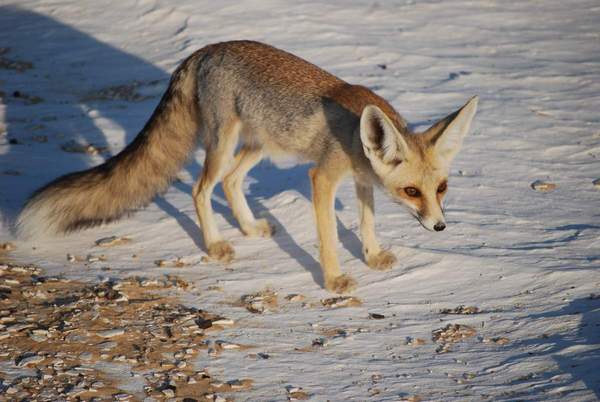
x=122, y=397
x=26, y=361
x=169, y=393
x=223, y=321
x=112, y=241
x=7, y=247
x=596, y=183
x=295, y=297
x=460, y=310
x=110, y=333
x=341, y=301
x=11, y=390
x=543, y=186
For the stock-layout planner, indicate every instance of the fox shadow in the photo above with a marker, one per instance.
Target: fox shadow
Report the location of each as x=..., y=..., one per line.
x=83, y=79
x=575, y=354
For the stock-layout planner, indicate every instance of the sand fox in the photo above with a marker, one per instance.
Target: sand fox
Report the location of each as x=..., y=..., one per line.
x=271, y=102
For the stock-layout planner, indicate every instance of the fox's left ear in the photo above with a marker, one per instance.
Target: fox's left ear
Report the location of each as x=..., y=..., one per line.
x=446, y=136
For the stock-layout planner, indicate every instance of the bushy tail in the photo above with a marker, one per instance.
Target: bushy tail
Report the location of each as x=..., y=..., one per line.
x=129, y=179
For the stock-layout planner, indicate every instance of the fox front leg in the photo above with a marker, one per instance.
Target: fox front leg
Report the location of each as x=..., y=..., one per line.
x=375, y=256
x=323, y=191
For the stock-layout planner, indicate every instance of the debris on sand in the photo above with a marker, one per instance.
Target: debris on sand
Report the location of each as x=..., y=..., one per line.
x=75, y=147
x=175, y=263
x=296, y=393
x=6, y=247
x=341, y=301
x=543, y=186
x=451, y=333
x=410, y=341
x=258, y=303
x=125, y=92
x=11, y=64
x=498, y=340
x=460, y=310
x=295, y=297
x=112, y=241
x=64, y=335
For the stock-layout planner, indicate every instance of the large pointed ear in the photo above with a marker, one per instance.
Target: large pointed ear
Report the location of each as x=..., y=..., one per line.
x=447, y=134
x=380, y=139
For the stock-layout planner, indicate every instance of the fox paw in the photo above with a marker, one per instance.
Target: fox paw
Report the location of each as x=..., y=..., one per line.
x=221, y=251
x=382, y=261
x=259, y=228
x=341, y=284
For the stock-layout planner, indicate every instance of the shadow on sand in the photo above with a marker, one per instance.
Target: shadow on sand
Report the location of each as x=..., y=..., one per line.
x=70, y=65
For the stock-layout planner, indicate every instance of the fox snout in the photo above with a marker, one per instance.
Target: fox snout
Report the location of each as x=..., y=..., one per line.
x=432, y=224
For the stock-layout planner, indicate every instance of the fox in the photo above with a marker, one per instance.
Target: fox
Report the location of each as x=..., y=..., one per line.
x=264, y=102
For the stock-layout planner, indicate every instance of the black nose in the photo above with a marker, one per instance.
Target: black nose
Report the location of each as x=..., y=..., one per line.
x=438, y=227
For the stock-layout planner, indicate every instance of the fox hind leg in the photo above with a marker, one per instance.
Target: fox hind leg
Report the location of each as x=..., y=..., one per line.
x=245, y=160
x=218, y=157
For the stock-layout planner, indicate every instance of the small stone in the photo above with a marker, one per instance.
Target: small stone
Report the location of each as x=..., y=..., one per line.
x=11, y=390
x=542, y=186
x=295, y=297
x=112, y=241
x=111, y=333
x=223, y=321
x=26, y=361
x=7, y=247
x=460, y=310
x=122, y=397
x=169, y=393
x=228, y=346
x=376, y=316
x=596, y=183
x=341, y=301
x=95, y=258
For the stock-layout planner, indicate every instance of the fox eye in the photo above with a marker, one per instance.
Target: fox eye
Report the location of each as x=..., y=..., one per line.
x=442, y=187
x=412, y=192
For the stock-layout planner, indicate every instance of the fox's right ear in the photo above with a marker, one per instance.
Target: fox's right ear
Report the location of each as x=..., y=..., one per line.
x=381, y=141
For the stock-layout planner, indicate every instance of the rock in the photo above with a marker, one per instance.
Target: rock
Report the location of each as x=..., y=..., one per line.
x=75, y=147
x=415, y=341
x=499, y=340
x=543, y=186
x=7, y=247
x=376, y=316
x=110, y=333
x=295, y=297
x=596, y=183
x=169, y=393
x=223, y=322
x=26, y=361
x=11, y=390
x=451, y=333
x=460, y=310
x=86, y=356
x=341, y=301
x=112, y=241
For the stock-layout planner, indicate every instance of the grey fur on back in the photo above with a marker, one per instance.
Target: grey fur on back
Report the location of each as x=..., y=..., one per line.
x=285, y=104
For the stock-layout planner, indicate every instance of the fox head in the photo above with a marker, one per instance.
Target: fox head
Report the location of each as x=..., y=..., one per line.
x=413, y=168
